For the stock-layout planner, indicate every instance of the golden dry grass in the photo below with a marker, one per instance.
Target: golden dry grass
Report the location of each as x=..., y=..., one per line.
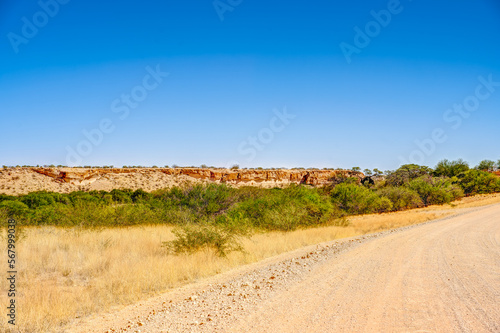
x=478, y=200
x=66, y=273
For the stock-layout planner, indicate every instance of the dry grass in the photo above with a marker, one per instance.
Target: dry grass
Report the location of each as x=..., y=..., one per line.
x=66, y=273
x=478, y=200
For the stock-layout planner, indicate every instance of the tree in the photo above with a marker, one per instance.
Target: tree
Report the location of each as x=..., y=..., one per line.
x=377, y=172
x=406, y=173
x=450, y=168
x=368, y=172
x=486, y=165
x=356, y=169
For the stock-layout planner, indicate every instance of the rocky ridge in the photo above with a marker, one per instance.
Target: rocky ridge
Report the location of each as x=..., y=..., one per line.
x=15, y=181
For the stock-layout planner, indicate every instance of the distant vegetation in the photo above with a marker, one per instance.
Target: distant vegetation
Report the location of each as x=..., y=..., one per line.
x=215, y=215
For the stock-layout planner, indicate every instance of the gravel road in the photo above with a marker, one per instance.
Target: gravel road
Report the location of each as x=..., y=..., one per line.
x=441, y=276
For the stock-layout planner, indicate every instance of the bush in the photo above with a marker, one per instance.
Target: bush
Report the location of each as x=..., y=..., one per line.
x=406, y=173
x=57, y=214
x=121, y=196
x=435, y=191
x=486, y=165
x=140, y=196
x=82, y=197
x=478, y=182
x=285, y=217
x=191, y=238
x=450, y=169
x=43, y=198
x=4, y=197
x=284, y=209
x=15, y=209
x=203, y=200
x=355, y=199
x=401, y=197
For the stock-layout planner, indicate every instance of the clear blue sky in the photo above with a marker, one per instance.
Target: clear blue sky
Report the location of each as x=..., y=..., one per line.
x=69, y=68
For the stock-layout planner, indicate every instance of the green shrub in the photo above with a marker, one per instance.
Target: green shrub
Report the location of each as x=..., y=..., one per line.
x=121, y=196
x=127, y=215
x=82, y=197
x=486, y=165
x=56, y=214
x=203, y=200
x=15, y=209
x=284, y=218
x=284, y=209
x=478, y=182
x=38, y=199
x=140, y=196
x=406, y=173
x=4, y=197
x=435, y=191
x=355, y=199
x=194, y=237
x=450, y=169
x=401, y=197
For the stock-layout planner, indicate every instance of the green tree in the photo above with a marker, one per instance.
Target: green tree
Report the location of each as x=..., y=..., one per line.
x=450, y=168
x=486, y=165
x=406, y=173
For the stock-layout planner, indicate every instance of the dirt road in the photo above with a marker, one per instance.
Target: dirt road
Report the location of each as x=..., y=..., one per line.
x=441, y=276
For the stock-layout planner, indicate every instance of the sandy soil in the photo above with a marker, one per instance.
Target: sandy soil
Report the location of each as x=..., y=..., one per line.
x=441, y=276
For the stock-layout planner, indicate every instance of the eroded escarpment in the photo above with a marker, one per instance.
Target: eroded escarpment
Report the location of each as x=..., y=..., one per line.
x=16, y=181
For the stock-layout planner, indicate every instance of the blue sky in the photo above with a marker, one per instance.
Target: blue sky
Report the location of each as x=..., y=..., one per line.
x=267, y=85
